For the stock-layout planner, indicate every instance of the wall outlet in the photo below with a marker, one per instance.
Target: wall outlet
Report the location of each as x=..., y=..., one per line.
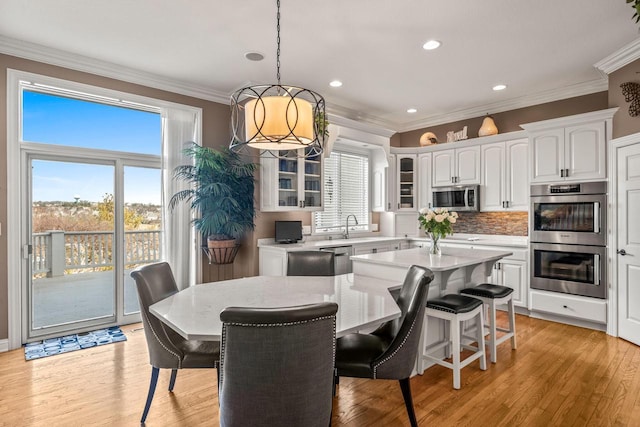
x=306, y=230
x=374, y=227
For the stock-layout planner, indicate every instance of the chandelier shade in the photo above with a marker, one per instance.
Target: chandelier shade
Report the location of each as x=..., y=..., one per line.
x=278, y=119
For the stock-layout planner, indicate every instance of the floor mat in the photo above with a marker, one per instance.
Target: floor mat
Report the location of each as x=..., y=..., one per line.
x=51, y=346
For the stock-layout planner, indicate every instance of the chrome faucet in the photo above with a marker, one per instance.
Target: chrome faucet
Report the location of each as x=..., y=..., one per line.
x=346, y=228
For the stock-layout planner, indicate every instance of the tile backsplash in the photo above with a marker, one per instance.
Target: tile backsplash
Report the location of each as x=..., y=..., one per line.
x=506, y=223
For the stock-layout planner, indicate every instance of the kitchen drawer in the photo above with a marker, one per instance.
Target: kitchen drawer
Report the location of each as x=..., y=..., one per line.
x=592, y=309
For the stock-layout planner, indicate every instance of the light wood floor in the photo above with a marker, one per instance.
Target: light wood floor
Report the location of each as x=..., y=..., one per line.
x=559, y=376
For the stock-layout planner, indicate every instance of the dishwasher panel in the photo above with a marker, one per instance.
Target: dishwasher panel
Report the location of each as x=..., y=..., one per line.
x=342, y=258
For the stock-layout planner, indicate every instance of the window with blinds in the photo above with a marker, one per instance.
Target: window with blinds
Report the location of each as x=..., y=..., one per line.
x=346, y=192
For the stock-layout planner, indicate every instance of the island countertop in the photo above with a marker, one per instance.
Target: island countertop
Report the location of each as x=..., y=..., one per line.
x=451, y=258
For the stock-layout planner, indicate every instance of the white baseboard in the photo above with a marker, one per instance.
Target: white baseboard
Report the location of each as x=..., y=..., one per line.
x=4, y=345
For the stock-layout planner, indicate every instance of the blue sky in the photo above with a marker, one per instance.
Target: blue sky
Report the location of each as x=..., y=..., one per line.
x=64, y=121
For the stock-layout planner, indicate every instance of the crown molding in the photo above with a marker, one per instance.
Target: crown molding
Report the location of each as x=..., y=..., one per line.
x=618, y=59
x=359, y=125
x=48, y=55
x=349, y=117
x=571, y=91
x=571, y=120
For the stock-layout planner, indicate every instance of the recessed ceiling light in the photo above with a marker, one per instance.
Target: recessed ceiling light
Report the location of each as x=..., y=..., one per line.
x=254, y=56
x=500, y=87
x=431, y=44
x=412, y=110
x=335, y=83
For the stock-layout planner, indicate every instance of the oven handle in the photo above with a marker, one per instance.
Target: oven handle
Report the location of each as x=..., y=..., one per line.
x=596, y=269
x=466, y=197
x=596, y=217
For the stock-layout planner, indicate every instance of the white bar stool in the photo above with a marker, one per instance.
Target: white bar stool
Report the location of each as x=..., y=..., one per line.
x=456, y=309
x=492, y=296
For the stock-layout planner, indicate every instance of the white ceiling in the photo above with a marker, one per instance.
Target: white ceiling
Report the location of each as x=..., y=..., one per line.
x=542, y=50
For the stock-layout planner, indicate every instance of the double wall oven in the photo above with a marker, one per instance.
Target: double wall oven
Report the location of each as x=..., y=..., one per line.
x=568, y=235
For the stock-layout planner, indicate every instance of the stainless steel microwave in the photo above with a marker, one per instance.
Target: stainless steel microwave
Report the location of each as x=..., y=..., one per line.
x=458, y=198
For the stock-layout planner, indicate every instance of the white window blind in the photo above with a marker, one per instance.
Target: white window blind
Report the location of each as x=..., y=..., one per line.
x=346, y=191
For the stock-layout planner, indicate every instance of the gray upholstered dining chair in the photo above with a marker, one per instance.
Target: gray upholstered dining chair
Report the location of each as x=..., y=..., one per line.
x=167, y=349
x=310, y=263
x=390, y=351
x=277, y=365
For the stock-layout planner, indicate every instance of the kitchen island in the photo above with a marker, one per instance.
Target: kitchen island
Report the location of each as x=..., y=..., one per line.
x=454, y=270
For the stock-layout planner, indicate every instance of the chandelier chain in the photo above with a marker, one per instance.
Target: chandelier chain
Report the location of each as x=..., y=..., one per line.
x=278, y=42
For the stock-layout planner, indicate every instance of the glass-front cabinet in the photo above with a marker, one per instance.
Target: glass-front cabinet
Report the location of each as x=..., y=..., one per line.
x=291, y=183
x=406, y=190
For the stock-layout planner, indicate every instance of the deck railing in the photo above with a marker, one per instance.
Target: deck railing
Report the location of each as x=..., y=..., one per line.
x=55, y=252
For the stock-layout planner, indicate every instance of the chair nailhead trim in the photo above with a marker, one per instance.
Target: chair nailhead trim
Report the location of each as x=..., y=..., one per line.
x=160, y=341
x=265, y=325
x=375, y=367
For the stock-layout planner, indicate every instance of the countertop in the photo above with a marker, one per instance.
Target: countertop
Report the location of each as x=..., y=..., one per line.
x=451, y=258
x=483, y=239
x=315, y=244
x=477, y=239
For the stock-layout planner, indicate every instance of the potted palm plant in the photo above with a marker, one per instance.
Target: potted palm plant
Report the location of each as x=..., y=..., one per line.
x=222, y=195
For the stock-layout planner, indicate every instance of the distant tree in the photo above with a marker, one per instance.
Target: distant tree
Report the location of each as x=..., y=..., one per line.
x=132, y=219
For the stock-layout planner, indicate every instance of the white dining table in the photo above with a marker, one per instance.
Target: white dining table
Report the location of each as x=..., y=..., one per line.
x=194, y=313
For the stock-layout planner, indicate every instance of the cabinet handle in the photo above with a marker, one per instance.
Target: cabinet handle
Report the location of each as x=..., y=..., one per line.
x=389, y=206
x=507, y=203
x=398, y=205
x=566, y=173
x=429, y=205
x=503, y=206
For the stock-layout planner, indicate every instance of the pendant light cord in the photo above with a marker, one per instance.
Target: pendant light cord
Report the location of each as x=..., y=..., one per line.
x=278, y=42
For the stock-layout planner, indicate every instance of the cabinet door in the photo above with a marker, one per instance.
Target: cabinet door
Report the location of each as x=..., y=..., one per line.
x=443, y=164
x=547, y=155
x=585, y=151
x=493, y=167
x=513, y=275
x=391, y=184
x=378, y=199
x=406, y=187
x=517, y=176
x=269, y=190
x=311, y=193
x=424, y=181
x=467, y=165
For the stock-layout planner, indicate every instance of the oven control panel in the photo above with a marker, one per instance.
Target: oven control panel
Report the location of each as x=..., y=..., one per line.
x=569, y=188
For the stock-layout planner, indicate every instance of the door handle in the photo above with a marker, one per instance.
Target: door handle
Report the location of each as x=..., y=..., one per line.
x=621, y=252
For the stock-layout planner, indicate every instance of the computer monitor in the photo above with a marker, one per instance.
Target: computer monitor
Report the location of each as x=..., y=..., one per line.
x=288, y=231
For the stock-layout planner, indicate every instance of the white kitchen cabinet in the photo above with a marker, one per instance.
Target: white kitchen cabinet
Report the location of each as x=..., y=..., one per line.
x=376, y=248
x=572, y=306
x=505, y=185
x=511, y=271
x=383, y=177
x=399, y=224
x=570, y=148
x=424, y=180
x=459, y=166
x=406, y=182
x=513, y=274
x=291, y=184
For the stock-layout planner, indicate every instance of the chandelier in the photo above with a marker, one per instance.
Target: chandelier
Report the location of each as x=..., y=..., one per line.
x=280, y=121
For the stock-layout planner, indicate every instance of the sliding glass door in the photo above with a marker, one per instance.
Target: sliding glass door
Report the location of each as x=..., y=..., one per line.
x=91, y=223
